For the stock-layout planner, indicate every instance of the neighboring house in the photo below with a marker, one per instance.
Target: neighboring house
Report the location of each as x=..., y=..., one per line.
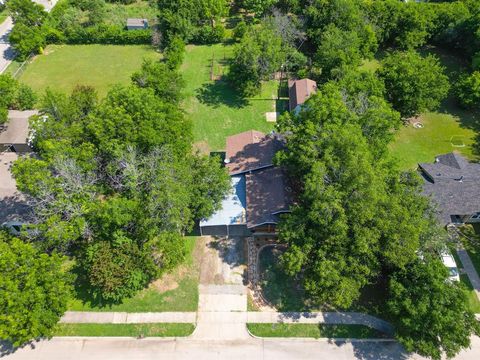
x=454, y=185
x=13, y=143
x=137, y=24
x=299, y=91
x=260, y=193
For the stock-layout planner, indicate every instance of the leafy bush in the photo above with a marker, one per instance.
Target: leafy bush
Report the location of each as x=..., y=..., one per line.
x=174, y=53
x=25, y=98
x=468, y=90
x=208, y=35
x=240, y=30
x=107, y=34
x=3, y=115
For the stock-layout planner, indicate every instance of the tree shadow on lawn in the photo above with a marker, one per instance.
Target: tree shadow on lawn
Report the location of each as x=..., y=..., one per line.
x=454, y=68
x=84, y=293
x=219, y=93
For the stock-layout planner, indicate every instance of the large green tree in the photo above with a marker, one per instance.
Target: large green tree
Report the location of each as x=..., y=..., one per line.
x=358, y=220
x=258, y=55
x=413, y=83
x=430, y=314
x=34, y=290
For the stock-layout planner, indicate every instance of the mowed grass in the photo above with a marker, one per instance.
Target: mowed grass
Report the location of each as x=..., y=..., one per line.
x=442, y=133
x=134, y=330
x=62, y=67
x=215, y=108
x=314, y=331
x=177, y=291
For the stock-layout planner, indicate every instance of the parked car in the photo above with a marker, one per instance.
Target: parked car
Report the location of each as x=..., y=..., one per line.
x=451, y=265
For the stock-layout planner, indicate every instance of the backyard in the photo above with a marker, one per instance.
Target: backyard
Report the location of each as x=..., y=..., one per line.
x=448, y=129
x=215, y=108
x=175, y=291
x=62, y=67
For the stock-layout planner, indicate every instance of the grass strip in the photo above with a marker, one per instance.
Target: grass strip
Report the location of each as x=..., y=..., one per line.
x=315, y=331
x=134, y=330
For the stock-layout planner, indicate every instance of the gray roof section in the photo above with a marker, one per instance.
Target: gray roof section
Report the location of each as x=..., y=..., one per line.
x=454, y=185
x=137, y=22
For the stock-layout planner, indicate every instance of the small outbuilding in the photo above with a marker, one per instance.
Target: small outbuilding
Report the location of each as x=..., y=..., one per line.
x=137, y=24
x=299, y=91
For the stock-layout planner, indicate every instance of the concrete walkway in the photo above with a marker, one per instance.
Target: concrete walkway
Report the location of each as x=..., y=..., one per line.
x=470, y=270
x=91, y=317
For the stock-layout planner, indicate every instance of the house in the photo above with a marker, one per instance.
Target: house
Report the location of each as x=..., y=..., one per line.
x=453, y=183
x=137, y=24
x=299, y=91
x=260, y=193
x=13, y=144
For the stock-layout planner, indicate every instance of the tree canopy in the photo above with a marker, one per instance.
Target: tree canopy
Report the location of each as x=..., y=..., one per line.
x=414, y=84
x=34, y=290
x=117, y=182
x=358, y=219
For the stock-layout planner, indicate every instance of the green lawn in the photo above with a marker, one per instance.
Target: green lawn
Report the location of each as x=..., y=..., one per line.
x=134, y=330
x=471, y=243
x=62, y=67
x=440, y=130
x=3, y=15
x=214, y=106
x=473, y=301
x=177, y=291
x=314, y=331
x=278, y=289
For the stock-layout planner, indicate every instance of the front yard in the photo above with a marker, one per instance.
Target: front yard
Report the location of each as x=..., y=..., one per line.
x=176, y=291
x=62, y=67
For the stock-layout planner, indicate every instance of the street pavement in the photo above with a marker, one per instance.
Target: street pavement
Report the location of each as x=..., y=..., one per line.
x=189, y=348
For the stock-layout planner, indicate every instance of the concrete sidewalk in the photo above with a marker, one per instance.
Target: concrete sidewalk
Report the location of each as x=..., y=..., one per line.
x=91, y=317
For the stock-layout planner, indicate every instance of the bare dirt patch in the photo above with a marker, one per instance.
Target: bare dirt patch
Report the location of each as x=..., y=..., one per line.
x=202, y=147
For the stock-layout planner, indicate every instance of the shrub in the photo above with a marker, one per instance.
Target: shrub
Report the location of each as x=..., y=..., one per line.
x=107, y=34
x=208, y=35
x=3, y=115
x=174, y=53
x=468, y=90
x=240, y=30
x=25, y=98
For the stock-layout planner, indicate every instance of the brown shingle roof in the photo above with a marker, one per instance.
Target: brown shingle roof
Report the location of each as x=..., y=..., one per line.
x=299, y=91
x=267, y=195
x=250, y=150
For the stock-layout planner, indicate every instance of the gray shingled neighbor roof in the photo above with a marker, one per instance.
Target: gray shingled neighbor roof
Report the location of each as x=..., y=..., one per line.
x=454, y=185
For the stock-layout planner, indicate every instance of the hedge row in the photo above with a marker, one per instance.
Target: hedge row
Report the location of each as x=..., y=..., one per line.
x=101, y=34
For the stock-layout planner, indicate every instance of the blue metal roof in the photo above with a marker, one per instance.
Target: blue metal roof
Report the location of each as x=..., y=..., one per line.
x=233, y=206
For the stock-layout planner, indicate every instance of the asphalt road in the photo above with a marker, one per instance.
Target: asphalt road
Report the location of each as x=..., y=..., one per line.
x=187, y=348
